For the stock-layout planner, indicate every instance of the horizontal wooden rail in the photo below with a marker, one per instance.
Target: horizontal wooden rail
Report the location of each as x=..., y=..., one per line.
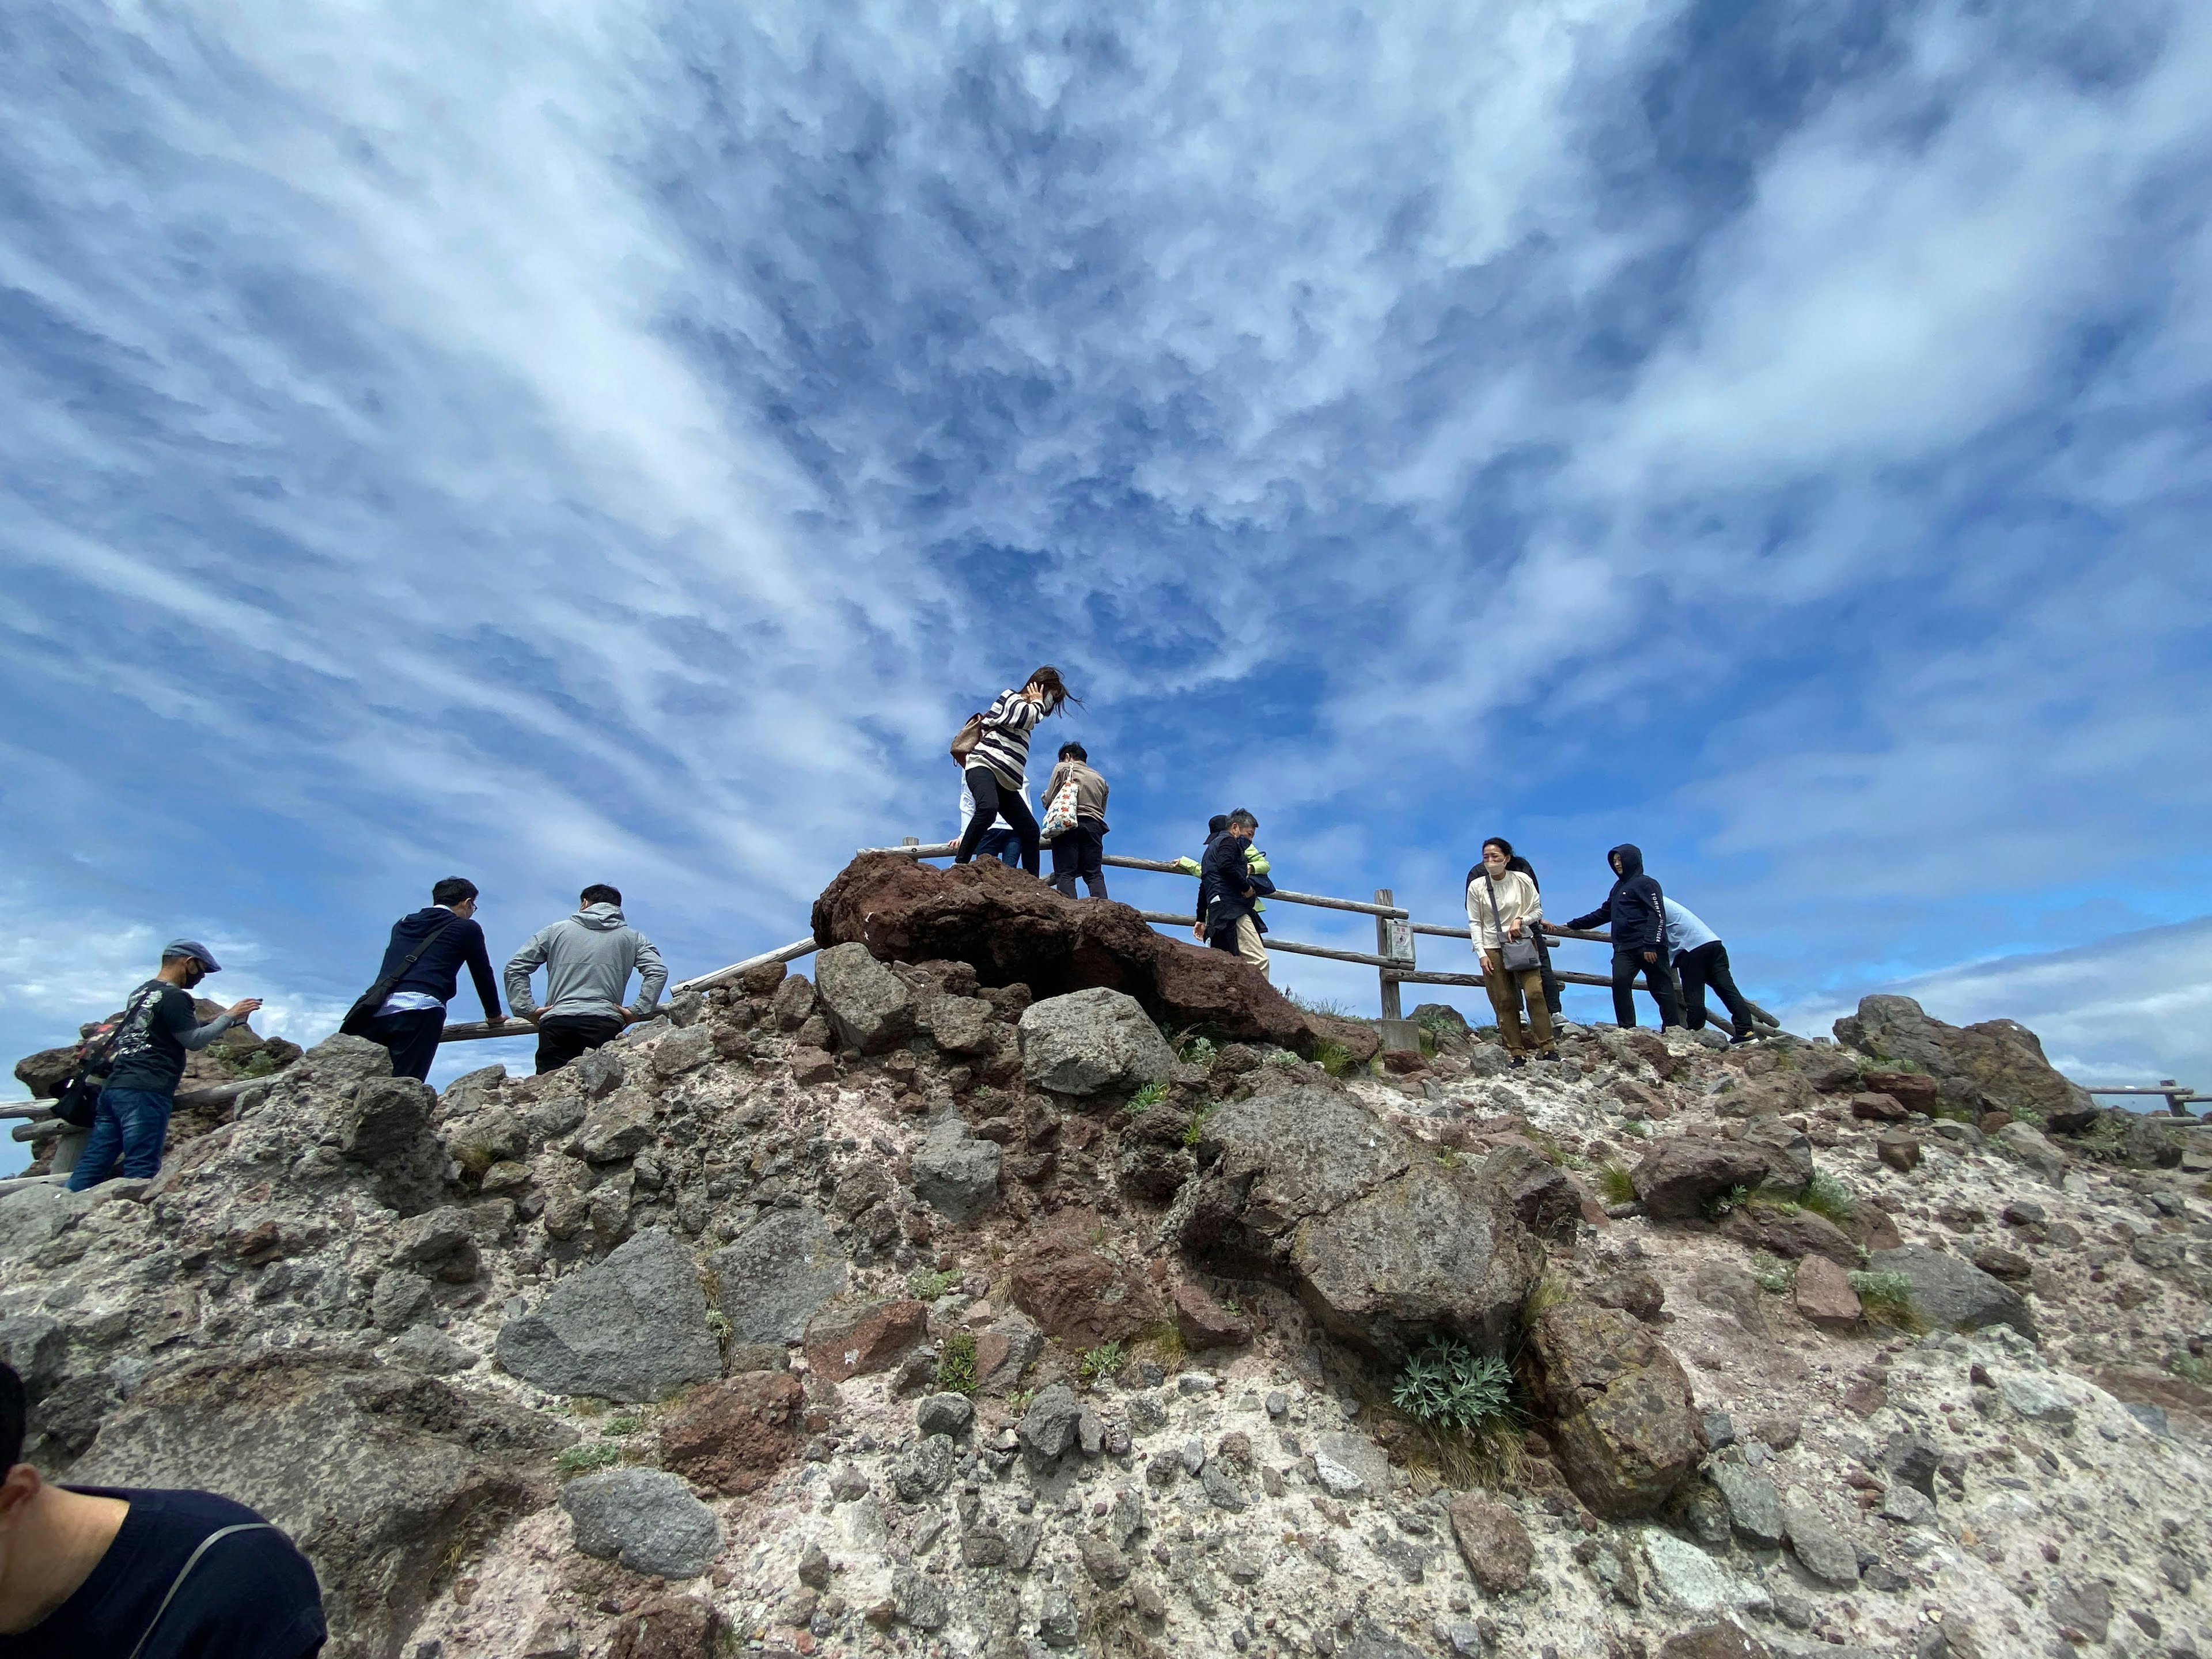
x=34, y=1109
x=945, y=849
x=791, y=952
x=1168, y=919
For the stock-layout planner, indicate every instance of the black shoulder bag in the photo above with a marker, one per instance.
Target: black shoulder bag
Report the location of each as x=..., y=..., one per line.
x=355, y=1024
x=76, y=1103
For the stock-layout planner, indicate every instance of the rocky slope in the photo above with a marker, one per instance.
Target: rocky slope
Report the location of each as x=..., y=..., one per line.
x=902, y=1311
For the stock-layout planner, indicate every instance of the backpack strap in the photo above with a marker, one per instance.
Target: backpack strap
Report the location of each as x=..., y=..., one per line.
x=185, y=1571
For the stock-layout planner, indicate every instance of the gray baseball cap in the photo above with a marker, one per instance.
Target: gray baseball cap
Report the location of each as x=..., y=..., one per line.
x=191, y=947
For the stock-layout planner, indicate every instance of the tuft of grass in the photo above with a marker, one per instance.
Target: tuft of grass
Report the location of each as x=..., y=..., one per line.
x=1886, y=1299
x=1548, y=1145
x=1772, y=1272
x=2189, y=1368
x=956, y=1364
x=928, y=1286
x=1328, y=1006
x=1448, y=1386
x=1638, y=1127
x=629, y=1423
x=1616, y=1184
x=1825, y=1196
x=1334, y=1057
x=1100, y=1362
x=1551, y=1291
x=1196, y=1127
x=1162, y=1340
x=593, y=1455
x=1721, y=1204
x=1447, y=1157
x=1150, y=1095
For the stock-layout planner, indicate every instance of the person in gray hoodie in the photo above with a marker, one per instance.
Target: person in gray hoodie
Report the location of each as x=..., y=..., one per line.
x=588, y=959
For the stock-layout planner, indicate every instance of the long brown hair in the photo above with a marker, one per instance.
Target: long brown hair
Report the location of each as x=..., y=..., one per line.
x=1055, y=688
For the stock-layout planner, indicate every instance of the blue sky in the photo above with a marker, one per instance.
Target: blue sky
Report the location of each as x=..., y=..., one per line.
x=619, y=442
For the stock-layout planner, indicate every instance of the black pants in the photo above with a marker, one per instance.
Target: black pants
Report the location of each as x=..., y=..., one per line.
x=1657, y=976
x=993, y=803
x=1077, y=852
x=1709, y=965
x=412, y=1037
x=1551, y=978
x=561, y=1037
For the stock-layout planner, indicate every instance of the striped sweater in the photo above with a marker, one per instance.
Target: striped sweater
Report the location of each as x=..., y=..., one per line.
x=1005, y=745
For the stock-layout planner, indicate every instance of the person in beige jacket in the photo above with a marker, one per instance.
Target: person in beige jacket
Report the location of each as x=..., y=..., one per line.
x=1078, y=849
x=1502, y=905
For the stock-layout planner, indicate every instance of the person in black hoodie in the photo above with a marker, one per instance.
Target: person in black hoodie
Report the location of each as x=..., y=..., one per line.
x=1634, y=913
x=413, y=1015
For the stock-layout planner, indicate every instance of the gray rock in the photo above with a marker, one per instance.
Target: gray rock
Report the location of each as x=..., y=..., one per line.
x=682, y=1051
x=1371, y=1641
x=1789, y=1144
x=962, y=1026
x=619, y=1128
x=427, y=1348
x=919, y=1600
x=598, y=1074
x=869, y=1006
x=945, y=1413
x=1091, y=1041
x=646, y=1518
x=793, y=1001
x=1048, y=1428
x=778, y=1273
x=1754, y=1506
x=1350, y=1464
x=2083, y=1603
x=1953, y=1293
x=2036, y=1398
x=1820, y=1544
x=1106, y=1565
x=1685, y=1576
x=633, y=1327
x=2033, y=1147
x=382, y=1474
x=399, y=1299
x=1913, y=1459
x=36, y=1347
x=31, y=1217
x=954, y=1172
x=1907, y=1505
x=384, y=1131
x=1222, y=1488
x=925, y=1468
x=1058, y=1622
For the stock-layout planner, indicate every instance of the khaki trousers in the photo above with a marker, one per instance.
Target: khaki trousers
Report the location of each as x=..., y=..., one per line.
x=1250, y=948
x=1506, y=992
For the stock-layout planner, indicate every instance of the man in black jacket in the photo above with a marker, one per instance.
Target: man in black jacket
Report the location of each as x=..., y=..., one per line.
x=1226, y=888
x=413, y=1014
x=1635, y=913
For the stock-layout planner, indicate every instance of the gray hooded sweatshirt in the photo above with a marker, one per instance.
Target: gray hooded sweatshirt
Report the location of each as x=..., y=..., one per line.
x=588, y=959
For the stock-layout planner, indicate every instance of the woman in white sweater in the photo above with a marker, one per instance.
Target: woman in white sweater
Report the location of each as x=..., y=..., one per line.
x=1504, y=904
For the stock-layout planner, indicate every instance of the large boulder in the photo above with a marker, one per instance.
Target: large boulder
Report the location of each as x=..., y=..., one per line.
x=869, y=1005
x=1953, y=1292
x=1014, y=930
x=1088, y=1041
x=633, y=1327
x=1383, y=1242
x=1680, y=1176
x=381, y=1476
x=1999, y=1063
x=778, y=1274
x=1627, y=1429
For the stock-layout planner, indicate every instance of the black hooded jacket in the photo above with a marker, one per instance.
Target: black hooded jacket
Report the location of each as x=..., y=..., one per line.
x=1633, y=911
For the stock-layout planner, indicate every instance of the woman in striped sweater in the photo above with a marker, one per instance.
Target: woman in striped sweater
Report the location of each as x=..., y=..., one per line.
x=996, y=766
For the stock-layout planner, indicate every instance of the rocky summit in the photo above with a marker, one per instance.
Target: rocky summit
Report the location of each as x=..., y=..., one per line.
x=1025, y=1282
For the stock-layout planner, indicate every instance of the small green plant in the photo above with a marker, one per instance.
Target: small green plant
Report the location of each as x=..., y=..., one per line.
x=1320, y=1006
x=629, y=1423
x=1886, y=1299
x=1198, y=1051
x=1196, y=1126
x=592, y=1455
x=718, y=1324
x=1018, y=1400
x=1825, y=1196
x=1148, y=1096
x=2189, y=1368
x=1616, y=1184
x=1638, y=1127
x=1722, y=1203
x=1449, y=1386
x=1447, y=1157
x=1282, y=1057
x=956, y=1364
x=1334, y=1057
x=1551, y=1291
x=1548, y=1144
x=1100, y=1362
x=1772, y=1272
x=928, y=1286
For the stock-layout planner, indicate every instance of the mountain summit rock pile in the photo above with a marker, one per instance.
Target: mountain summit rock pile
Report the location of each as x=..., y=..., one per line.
x=943, y=1304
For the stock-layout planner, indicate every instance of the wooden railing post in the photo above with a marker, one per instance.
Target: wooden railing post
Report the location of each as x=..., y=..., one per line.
x=1390, y=1003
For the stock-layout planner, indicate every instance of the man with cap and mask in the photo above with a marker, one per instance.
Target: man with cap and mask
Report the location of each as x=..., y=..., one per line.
x=131, y=1124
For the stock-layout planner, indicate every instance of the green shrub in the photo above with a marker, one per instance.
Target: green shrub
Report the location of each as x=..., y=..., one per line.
x=1102, y=1361
x=1334, y=1057
x=1198, y=1051
x=1825, y=1195
x=1772, y=1272
x=956, y=1364
x=629, y=1423
x=928, y=1286
x=1886, y=1299
x=1616, y=1184
x=592, y=1455
x=1721, y=1204
x=1150, y=1095
x=1447, y=1387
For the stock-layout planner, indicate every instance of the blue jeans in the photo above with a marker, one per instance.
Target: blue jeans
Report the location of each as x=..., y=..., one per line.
x=132, y=1124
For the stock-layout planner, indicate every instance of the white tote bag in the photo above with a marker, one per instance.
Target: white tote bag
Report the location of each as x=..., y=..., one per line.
x=1060, y=815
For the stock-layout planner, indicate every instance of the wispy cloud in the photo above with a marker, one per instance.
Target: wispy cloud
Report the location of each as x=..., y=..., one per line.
x=619, y=443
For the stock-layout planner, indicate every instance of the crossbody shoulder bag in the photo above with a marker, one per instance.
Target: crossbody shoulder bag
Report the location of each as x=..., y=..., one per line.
x=365, y=1007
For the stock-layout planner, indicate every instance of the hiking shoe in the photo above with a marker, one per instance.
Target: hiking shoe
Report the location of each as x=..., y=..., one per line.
x=1516, y=1061
x=1751, y=1035
x=1552, y=1054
